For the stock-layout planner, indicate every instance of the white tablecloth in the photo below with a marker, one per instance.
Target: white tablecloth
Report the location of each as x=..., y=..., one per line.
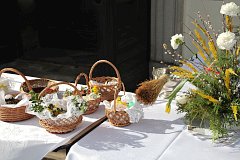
x=146, y=140
x=28, y=140
x=159, y=136
x=190, y=146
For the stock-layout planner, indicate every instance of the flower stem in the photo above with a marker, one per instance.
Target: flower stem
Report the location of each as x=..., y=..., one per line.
x=194, y=54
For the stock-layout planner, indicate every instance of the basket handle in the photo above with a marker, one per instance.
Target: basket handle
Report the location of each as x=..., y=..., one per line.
x=56, y=84
x=79, y=77
x=115, y=100
x=17, y=72
x=105, y=61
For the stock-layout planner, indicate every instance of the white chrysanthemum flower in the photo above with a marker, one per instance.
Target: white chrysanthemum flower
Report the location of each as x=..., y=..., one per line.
x=182, y=99
x=226, y=40
x=176, y=40
x=230, y=9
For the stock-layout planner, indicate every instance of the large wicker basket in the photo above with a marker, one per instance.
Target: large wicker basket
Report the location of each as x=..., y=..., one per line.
x=92, y=104
x=38, y=85
x=107, y=90
x=117, y=118
x=60, y=125
x=14, y=114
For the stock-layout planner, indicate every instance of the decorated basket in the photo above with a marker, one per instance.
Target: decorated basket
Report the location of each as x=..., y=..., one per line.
x=124, y=110
x=92, y=98
x=60, y=120
x=107, y=85
x=38, y=85
x=14, y=114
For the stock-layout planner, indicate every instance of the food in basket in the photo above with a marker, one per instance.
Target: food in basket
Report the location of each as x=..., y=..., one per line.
x=53, y=107
x=10, y=99
x=57, y=113
x=12, y=102
x=38, y=85
x=90, y=95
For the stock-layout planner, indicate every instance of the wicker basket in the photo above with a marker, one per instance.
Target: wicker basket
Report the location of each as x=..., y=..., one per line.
x=38, y=85
x=14, y=114
x=117, y=118
x=60, y=125
x=107, y=91
x=92, y=104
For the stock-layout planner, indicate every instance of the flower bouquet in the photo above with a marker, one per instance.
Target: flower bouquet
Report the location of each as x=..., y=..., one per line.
x=58, y=114
x=214, y=70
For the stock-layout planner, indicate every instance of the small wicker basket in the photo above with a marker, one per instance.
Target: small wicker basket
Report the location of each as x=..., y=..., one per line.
x=107, y=90
x=14, y=114
x=92, y=104
x=38, y=85
x=117, y=118
x=64, y=125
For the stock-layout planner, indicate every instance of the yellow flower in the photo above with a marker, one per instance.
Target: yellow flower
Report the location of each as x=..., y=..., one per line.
x=210, y=98
x=168, y=108
x=237, y=52
x=180, y=69
x=189, y=65
x=95, y=90
x=202, y=41
x=227, y=79
x=200, y=52
x=118, y=98
x=200, y=28
x=234, y=109
x=213, y=49
x=183, y=75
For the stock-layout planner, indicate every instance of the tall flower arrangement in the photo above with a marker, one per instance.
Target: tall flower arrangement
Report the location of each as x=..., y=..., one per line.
x=215, y=71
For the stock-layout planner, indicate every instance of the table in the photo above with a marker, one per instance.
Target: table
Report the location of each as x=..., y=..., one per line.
x=28, y=140
x=189, y=146
x=158, y=136
x=146, y=140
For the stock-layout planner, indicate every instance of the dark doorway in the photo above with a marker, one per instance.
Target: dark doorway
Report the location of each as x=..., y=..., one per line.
x=72, y=34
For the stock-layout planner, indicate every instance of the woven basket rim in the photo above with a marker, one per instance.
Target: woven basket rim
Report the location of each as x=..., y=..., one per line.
x=65, y=128
x=12, y=114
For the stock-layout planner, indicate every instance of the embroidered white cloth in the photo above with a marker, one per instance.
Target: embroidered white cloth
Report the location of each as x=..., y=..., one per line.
x=113, y=82
x=5, y=84
x=65, y=103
